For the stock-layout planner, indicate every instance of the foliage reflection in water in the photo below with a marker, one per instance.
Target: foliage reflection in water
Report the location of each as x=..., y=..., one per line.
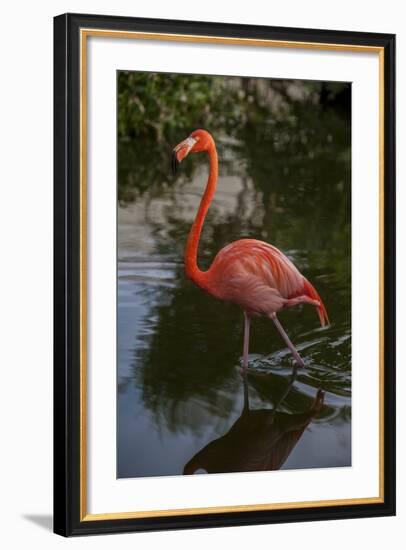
x=284, y=178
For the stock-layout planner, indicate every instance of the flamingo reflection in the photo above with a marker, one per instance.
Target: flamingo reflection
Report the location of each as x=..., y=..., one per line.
x=260, y=439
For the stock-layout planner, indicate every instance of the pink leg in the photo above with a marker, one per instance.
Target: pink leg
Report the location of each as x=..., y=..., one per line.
x=247, y=322
x=287, y=340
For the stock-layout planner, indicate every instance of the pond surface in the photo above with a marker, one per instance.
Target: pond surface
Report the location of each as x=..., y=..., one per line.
x=183, y=406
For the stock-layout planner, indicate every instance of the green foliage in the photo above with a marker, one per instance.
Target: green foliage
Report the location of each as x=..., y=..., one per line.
x=155, y=112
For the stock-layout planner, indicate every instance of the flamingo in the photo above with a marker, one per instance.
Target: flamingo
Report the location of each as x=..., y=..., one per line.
x=253, y=274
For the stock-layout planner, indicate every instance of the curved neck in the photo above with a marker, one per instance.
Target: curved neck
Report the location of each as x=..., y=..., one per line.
x=192, y=270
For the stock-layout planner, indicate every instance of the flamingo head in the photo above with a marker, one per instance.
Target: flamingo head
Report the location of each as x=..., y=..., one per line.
x=198, y=141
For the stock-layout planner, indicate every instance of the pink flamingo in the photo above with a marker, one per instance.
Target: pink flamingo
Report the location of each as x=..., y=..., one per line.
x=253, y=274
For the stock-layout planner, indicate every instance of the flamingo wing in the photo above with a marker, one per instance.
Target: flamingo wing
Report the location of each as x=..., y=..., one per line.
x=260, y=278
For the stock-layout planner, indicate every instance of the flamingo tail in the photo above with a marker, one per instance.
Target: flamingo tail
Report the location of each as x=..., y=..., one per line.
x=312, y=293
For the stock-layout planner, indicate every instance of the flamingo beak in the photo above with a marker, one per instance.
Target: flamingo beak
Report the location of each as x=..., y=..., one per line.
x=181, y=151
x=175, y=163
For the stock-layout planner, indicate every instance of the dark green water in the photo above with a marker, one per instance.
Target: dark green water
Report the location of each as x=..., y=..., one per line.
x=182, y=402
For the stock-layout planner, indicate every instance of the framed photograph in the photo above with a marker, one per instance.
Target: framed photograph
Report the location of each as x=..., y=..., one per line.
x=224, y=274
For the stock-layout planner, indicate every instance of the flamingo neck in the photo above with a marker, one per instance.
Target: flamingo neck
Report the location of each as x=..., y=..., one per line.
x=191, y=268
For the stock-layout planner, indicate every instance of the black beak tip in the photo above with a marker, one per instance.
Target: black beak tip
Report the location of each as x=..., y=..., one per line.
x=175, y=163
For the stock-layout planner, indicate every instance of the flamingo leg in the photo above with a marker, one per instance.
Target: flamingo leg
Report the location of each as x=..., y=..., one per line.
x=247, y=322
x=287, y=340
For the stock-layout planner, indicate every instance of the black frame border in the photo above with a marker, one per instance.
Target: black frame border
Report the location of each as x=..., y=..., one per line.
x=67, y=521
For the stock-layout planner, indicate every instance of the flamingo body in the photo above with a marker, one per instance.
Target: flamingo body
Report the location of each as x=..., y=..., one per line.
x=252, y=274
x=260, y=279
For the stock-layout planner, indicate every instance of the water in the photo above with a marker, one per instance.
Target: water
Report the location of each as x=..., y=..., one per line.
x=183, y=406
